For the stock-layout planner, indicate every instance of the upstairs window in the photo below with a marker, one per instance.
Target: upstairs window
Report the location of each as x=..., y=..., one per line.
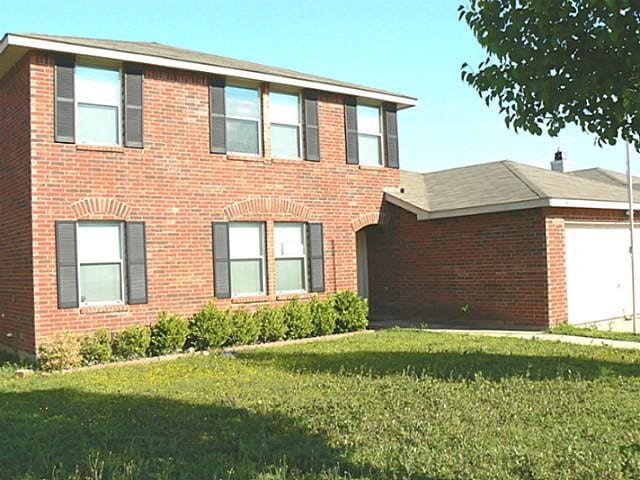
x=100, y=262
x=98, y=105
x=290, y=253
x=285, y=125
x=246, y=258
x=242, y=106
x=369, y=135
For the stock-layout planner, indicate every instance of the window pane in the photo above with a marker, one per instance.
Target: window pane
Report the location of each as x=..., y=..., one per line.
x=285, y=108
x=98, y=86
x=246, y=277
x=369, y=150
x=289, y=274
x=242, y=102
x=100, y=283
x=245, y=240
x=242, y=136
x=97, y=124
x=289, y=239
x=368, y=119
x=99, y=242
x=284, y=141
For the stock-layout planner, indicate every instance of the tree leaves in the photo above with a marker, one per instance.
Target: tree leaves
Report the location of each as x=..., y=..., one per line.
x=551, y=63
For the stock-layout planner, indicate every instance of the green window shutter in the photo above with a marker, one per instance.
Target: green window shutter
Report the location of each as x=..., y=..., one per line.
x=316, y=257
x=311, y=126
x=217, y=126
x=351, y=129
x=136, y=245
x=391, y=135
x=221, y=264
x=67, y=264
x=133, y=105
x=64, y=100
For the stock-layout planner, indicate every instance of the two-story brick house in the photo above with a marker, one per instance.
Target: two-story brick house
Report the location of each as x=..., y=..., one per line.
x=137, y=177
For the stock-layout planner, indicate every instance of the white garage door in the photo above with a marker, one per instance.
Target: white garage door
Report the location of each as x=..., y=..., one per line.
x=598, y=272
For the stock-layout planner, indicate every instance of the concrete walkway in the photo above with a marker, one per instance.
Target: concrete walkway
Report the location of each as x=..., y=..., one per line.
x=551, y=337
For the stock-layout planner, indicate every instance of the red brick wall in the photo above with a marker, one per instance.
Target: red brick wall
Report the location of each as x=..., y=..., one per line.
x=178, y=188
x=425, y=271
x=16, y=279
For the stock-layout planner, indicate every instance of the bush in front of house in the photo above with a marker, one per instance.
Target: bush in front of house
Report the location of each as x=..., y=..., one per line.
x=212, y=327
x=209, y=328
x=272, y=326
x=131, y=343
x=245, y=329
x=297, y=318
x=323, y=316
x=60, y=352
x=351, y=312
x=168, y=334
x=96, y=348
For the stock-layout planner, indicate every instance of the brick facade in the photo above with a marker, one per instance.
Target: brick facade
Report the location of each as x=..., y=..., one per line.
x=16, y=279
x=510, y=267
x=177, y=187
x=426, y=271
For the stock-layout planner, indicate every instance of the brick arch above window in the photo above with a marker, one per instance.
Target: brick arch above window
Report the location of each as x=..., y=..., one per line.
x=366, y=219
x=263, y=207
x=99, y=208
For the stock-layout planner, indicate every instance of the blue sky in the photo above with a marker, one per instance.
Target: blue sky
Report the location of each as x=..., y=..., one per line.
x=414, y=47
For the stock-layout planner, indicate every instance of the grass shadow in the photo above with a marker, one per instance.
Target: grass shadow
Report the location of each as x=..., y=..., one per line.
x=446, y=365
x=48, y=433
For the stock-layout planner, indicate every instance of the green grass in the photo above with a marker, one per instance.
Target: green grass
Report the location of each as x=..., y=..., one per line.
x=593, y=332
x=390, y=405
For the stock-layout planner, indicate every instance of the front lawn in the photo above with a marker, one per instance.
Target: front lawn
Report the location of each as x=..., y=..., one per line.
x=390, y=405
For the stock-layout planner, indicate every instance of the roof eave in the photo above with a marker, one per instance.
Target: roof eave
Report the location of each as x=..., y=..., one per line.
x=422, y=214
x=24, y=42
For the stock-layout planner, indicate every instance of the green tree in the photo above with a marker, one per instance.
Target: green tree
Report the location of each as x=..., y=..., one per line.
x=551, y=63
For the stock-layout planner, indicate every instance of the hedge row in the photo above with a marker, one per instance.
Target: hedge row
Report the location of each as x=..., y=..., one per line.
x=210, y=328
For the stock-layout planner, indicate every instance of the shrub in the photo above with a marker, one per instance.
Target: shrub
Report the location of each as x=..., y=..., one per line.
x=271, y=321
x=245, y=330
x=132, y=342
x=209, y=328
x=323, y=316
x=96, y=348
x=352, y=312
x=168, y=335
x=297, y=318
x=60, y=352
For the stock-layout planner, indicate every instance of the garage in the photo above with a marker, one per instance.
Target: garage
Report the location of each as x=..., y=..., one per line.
x=598, y=272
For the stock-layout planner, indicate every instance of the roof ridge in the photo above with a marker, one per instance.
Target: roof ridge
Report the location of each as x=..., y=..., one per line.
x=509, y=165
x=494, y=162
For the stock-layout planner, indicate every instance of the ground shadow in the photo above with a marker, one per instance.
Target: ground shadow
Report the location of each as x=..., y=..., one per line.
x=48, y=433
x=446, y=365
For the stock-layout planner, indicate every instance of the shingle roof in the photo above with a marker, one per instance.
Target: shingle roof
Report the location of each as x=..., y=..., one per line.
x=498, y=184
x=607, y=176
x=173, y=53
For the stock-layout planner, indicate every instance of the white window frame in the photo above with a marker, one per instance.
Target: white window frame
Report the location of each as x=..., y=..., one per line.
x=380, y=135
x=247, y=119
x=89, y=64
x=297, y=125
x=121, y=263
x=262, y=258
x=304, y=258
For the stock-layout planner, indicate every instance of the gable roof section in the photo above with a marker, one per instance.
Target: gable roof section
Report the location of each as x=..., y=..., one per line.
x=12, y=46
x=500, y=186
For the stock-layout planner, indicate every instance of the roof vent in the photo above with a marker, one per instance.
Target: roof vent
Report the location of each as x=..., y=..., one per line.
x=559, y=163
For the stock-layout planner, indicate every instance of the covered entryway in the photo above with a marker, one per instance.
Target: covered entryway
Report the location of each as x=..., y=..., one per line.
x=598, y=272
x=362, y=258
